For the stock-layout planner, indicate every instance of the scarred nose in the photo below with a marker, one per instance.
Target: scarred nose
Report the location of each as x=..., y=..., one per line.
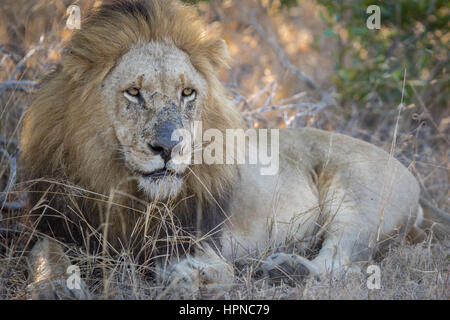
x=168, y=121
x=163, y=144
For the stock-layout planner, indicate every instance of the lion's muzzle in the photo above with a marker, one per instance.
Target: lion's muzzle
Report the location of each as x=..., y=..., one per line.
x=168, y=120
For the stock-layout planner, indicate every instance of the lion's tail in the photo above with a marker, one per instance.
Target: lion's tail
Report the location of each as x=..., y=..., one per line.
x=434, y=220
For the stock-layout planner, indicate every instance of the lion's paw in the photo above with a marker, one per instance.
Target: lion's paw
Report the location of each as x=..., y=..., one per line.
x=191, y=277
x=57, y=289
x=284, y=267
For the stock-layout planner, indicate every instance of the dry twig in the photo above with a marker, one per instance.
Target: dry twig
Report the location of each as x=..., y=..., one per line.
x=18, y=85
x=21, y=85
x=14, y=205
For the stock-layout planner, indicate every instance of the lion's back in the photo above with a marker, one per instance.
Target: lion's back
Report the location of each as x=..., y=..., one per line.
x=376, y=182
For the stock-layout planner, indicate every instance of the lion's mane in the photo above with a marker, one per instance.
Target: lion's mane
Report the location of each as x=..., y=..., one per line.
x=66, y=156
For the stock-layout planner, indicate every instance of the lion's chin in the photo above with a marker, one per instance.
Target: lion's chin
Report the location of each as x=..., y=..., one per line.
x=163, y=188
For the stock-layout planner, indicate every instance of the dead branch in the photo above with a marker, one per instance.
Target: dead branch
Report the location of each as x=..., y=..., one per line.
x=8, y=141
x=313, y=107
x=327, y=98
x=22, y=62
x=14, y=205
x=21, y=85
x=18, y=85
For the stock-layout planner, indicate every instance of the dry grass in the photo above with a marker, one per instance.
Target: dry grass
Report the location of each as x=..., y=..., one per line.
x=269, y=93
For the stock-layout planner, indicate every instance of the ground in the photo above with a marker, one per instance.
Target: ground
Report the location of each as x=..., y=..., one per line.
x=268, y=89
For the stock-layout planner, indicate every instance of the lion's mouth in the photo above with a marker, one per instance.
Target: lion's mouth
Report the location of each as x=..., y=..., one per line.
x=160, y=173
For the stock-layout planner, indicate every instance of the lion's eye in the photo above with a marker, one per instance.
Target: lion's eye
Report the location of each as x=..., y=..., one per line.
x=188, y=92
x=134, y=92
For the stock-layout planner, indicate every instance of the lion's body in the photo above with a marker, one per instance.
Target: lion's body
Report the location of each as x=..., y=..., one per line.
x=330, y=186
x=333, y=189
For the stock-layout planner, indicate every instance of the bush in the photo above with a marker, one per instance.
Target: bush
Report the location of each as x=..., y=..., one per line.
x=370, y=63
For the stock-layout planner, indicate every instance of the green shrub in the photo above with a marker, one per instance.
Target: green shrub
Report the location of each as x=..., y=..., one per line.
x=370, y=63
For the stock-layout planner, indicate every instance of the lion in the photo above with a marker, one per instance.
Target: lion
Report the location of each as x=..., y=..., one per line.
x=97, y=149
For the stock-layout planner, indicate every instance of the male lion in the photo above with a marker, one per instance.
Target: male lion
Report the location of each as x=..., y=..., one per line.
x=97, y=148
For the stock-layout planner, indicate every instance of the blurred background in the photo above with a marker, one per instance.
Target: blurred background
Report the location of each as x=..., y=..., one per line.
x=295, y=63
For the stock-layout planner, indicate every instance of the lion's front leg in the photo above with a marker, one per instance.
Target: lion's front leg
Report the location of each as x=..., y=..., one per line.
x=204, y=273
x=345, y=241
x=49, y=267
x=339, y=256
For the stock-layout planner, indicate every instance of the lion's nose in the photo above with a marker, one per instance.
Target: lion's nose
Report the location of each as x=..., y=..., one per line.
x=163, y=144
x=164, y=151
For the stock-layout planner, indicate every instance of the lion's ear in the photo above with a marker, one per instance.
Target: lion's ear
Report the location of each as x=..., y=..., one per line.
x=217, y=53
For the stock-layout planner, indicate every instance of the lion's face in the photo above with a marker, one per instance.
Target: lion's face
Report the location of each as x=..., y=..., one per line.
x=153, y=91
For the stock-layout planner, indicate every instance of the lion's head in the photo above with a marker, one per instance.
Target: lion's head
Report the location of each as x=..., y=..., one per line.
x=133, y=74
x=153, y=91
